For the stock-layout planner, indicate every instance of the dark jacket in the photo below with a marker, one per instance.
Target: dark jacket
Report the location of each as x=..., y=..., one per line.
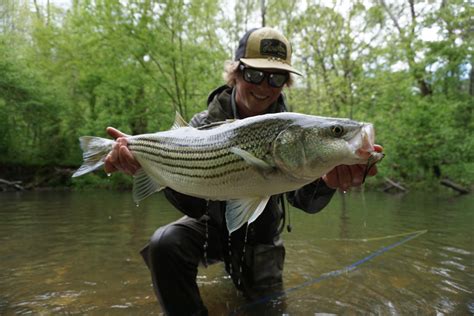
x=265, y=231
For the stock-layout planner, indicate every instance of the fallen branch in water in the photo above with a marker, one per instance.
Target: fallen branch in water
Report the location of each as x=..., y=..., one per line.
x=14, y=184
x=393, y=184
x=450, y=184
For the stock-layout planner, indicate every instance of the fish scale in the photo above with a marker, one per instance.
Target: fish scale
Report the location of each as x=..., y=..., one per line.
x=216, y=166
x=182, y=159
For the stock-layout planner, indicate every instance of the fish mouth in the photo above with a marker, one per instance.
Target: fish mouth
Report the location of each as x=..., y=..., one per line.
x=363, y=144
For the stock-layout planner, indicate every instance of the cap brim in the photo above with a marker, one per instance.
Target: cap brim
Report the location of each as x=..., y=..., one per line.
x=265, y=63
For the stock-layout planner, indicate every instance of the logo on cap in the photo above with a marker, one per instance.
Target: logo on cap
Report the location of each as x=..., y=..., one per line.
x=273, y=47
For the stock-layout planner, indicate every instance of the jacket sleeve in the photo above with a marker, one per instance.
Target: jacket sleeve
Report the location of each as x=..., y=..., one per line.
x=311, y=198
x=188, y=205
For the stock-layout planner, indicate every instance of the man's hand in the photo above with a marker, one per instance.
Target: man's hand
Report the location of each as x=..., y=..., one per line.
x=343, y=177
x=120, y=158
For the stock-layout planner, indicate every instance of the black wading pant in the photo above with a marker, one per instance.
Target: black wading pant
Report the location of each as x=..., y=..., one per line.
x=176, y=250
x=173, y=256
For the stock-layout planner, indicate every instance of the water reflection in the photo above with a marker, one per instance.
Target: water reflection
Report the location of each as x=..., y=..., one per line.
x=344, y=218
x=77, y=252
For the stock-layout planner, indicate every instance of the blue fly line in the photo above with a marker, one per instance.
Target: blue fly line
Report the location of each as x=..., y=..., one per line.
x=335, y=273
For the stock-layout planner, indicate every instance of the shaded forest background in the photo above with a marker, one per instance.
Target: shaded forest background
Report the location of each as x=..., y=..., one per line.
x=67, y=71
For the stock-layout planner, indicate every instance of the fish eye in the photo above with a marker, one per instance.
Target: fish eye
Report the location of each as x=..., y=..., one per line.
x=337, y=130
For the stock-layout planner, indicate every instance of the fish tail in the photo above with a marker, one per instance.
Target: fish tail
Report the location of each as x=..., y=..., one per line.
x=94, y=149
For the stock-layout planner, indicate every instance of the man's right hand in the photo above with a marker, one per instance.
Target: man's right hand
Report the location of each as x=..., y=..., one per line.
x=120, y=158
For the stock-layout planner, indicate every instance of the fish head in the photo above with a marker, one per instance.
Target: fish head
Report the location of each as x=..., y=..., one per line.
x=312, y=147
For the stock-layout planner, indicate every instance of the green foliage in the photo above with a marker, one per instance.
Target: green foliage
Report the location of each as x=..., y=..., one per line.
x=131, y=64
x=427, y=136
x=29, y=132
x=102, y=181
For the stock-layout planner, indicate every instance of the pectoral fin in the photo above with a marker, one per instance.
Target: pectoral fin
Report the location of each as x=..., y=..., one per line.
x=252, y=160
x=143, y=186
x=239, y=212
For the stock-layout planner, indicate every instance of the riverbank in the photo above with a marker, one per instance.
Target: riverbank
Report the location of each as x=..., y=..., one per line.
x=56, y=177
x=19, y=177
x=35, y=177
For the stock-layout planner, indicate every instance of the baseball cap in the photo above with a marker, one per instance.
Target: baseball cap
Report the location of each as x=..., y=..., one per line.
x=265, y=48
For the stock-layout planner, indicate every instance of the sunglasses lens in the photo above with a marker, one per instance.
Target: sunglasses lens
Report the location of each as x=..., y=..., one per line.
x=277, y=80
x=253, y=75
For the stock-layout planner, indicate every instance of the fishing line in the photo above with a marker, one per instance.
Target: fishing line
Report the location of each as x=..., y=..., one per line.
x=376, y=238
x=370, y=164
x=331, y=274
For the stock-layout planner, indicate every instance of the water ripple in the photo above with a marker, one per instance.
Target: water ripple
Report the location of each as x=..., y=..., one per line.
x=455, y=264
x=457, y=286
x=441, y=271
x=457, y=250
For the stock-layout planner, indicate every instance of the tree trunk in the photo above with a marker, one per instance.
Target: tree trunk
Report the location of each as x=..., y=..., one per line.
x=471, y=80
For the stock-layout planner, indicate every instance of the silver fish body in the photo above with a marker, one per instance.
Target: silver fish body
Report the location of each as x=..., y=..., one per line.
x=243, y=161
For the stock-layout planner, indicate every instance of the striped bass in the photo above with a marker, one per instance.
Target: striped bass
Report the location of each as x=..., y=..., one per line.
x=243, y=162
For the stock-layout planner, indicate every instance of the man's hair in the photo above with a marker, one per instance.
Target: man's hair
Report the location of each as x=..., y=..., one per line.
x=232, y=70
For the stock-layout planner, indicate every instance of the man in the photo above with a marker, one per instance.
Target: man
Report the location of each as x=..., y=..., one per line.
x=253, y=255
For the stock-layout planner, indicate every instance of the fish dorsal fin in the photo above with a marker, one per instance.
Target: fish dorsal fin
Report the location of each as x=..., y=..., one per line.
x=239, y=212
x=216, y=124
x=252, y=160
x=143, y=186
x=179, y=121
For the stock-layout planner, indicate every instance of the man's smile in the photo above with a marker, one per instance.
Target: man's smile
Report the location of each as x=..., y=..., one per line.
x=258, y=96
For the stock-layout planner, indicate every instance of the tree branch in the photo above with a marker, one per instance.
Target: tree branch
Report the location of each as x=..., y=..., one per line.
x=392, y=17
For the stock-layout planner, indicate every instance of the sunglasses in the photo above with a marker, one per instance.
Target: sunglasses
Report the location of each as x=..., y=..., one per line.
x=256, y=76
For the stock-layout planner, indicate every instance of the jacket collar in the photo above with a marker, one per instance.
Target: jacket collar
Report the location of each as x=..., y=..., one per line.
x=221, y=104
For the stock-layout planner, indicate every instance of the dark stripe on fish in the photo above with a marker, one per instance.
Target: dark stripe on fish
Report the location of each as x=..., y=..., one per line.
x=152, y=157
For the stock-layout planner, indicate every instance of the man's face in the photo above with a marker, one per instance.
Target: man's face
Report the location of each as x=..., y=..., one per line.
x=254, y=99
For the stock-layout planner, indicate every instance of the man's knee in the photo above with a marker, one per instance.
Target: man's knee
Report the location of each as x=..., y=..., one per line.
x=164, y=244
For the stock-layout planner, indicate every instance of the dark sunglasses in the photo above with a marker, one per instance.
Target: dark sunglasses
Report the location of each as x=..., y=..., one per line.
x=256, y=76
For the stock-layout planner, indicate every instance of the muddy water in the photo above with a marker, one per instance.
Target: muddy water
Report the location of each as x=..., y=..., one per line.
x=77, y=253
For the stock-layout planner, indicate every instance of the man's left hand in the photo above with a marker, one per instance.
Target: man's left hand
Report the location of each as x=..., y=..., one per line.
x=343, y=177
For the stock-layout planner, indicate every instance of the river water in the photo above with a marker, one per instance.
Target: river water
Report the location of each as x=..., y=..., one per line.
x=366, y=253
